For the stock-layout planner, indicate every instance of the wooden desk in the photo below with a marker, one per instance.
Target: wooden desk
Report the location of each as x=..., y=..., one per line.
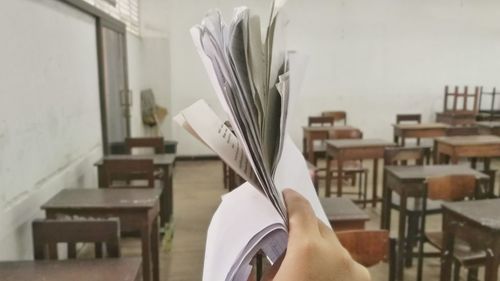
x=478, y=223
x=311, y=131
x=121, y=269
x=423, y=130
x=485, y=147
x=456, y=118
x=354, y=149
x=137, y=209
x=343, y=214
x=164, y=162
x=408, y=181
x=489, y=128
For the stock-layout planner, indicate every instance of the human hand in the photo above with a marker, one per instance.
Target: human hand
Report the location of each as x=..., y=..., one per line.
x=314, y=253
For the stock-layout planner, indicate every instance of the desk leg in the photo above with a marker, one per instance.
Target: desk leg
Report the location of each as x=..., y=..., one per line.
x=446, y=254
x=386, y=205
x=375, y=182
x=146, y=235
x=340, y=174
x=491, y=270
x=155, y=252
x=401, y=238
x=167, y=205
x=101, y=181
x=328, y=180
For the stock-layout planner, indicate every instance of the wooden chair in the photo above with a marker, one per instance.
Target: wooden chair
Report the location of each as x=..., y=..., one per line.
x=337, y=115
x=465, y=96
x=409, y=118
x=156, y=143
x=351, y=168
x=459, y=114
x=449, y=188
x=48, y=233
x=492, y=112
x=403, y=156
x=320, y=120
x=370, y=247
x=118, y=173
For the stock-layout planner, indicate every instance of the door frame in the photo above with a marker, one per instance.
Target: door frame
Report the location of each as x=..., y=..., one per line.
x=100, y=24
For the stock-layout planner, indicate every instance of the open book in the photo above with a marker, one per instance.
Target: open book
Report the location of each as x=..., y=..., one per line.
x=256, y=81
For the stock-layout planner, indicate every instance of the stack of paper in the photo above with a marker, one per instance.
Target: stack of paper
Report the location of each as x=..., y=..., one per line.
x=255, y=82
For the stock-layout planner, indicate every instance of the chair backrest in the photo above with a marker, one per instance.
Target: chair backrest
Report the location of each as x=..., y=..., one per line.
x=451, y=187
x=408, y=118
x=490, y=109
x=119, y=172
x=320, y=120
x=156, y=143
x=337, y=115
x=315, y=137
x=462, y=131
x=465, y=96
x=395, y=156
x=48, y=233
x=367, y=247
x=346, y=134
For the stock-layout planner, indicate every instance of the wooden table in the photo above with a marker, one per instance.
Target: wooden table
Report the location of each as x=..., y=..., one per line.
x=423, y=130
x=354, y=149
x=121, y=269
x=456, y=118
x=489, y=128
x=478, y=223
x=408, y=181
x=343, y=214
x=164, y=162
x=453, y=148
x=311, y=131
x=137, y=209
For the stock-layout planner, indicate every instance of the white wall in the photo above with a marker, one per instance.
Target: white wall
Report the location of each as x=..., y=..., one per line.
x=50, y=128
x=373, y=59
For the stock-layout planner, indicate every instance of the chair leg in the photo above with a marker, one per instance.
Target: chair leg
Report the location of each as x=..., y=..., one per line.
x=411, y=238
x=360, y=186
x=472, y=274
x=456, y=271
x=365, y=191
x=392, y=259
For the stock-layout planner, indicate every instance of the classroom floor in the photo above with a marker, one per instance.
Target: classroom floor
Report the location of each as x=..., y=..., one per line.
x=197, y=191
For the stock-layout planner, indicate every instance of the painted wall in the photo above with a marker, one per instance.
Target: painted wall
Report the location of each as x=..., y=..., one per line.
x=50, y=128
x=373, y=59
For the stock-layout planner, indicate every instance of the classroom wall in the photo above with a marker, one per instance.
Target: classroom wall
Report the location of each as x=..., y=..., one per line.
x=373, y=59
x=50, y=125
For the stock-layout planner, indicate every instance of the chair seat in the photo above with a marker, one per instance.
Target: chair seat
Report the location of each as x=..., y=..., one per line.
x=433, y=206
x=348, y=166
x=462, y=251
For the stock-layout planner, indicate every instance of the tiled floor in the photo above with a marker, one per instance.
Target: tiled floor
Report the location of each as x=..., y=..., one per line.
x=197, y=191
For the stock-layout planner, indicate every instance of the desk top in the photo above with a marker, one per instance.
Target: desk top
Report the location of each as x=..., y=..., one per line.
x=356, y=143
x=121, y=269
x=104, y=198
x=482, y=212
x=420, y=173
x=421, y=126
x=326, y=128
x=158, y=159
x=469, y=140
x=489, y=124
x=339, y=209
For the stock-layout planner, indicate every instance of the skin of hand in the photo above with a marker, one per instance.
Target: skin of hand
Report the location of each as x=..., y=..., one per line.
x=314, y=253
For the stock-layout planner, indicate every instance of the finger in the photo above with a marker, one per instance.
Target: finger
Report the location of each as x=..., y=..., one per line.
x=301, y=217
